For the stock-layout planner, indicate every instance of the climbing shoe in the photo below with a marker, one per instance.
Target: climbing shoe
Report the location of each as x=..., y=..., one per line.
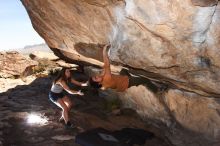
x=69, y=125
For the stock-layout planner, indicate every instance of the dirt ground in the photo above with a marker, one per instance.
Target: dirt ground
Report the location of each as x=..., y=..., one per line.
x=88, y=112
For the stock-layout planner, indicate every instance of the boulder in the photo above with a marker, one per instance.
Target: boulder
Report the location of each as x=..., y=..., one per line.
x=176, y=39
x=36, y=55
x=13, y=64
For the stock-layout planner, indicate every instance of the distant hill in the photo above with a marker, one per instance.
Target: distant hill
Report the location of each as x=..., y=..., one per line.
x=34, y=48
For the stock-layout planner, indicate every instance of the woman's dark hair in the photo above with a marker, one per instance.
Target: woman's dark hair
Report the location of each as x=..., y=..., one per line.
x=94, y=84
x=62, y=75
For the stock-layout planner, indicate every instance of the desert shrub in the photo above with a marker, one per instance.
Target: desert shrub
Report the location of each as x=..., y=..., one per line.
x=42, y=66
x=54, y=71
x=39, y=68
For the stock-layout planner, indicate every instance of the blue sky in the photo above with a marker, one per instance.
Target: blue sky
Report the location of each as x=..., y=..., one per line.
x=16, y=30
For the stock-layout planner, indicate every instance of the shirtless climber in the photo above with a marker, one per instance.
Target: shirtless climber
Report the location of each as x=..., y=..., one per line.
x=107, y=80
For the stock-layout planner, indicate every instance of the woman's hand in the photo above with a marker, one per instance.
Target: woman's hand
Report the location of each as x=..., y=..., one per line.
x=85, y=84
x=80, y=93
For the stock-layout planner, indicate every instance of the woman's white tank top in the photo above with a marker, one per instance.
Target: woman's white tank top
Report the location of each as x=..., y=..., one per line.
x=56, y=88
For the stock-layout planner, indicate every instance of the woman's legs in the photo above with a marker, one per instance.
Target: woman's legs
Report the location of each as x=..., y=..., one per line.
x=68, y=102
x=64, y=103
x=65, y=109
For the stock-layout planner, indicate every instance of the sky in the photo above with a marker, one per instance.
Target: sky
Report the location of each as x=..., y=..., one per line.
x=16, y=30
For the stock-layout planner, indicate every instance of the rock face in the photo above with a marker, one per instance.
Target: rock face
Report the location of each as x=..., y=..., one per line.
x=204, y=3
x=42, y=55
x=14, y=64
x=186, y=108
x=179, y=40
x=176, y=40
x=197, y=114
x=172, y=39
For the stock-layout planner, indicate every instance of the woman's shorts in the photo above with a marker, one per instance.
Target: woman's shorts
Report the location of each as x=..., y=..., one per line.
x=55, y=96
